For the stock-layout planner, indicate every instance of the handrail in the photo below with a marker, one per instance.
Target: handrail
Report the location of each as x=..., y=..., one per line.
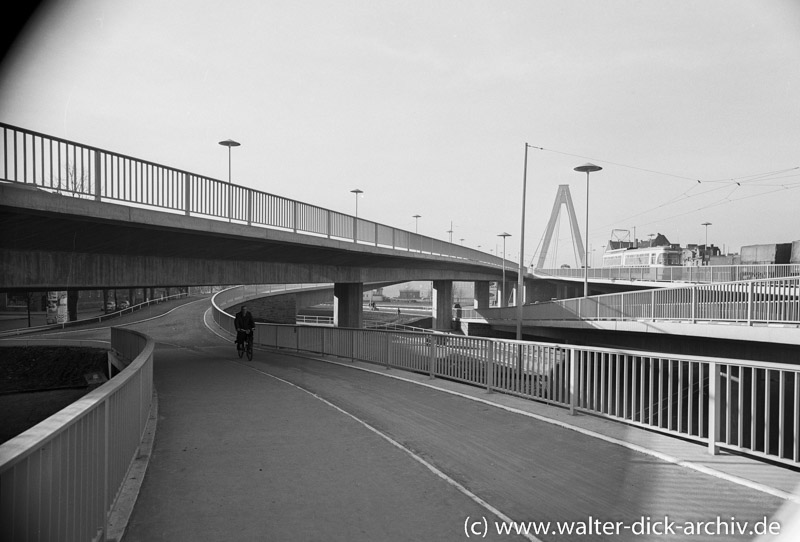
x=677, y=274
x=764, y=301
x=84, y=171
x=90, y=445
x=692, y=397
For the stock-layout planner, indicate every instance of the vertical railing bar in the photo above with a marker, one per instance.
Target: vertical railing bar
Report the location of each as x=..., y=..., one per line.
x=714, y=408
x=767, y=410
x=796, y=414
x=781, y=412
x=740, y=408
x=728, y=402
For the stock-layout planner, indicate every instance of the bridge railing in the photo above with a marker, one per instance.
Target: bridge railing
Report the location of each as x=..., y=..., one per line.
x=753, y=407
x=768, y=301
x=60, y=479
x=83, y=171
x=700, y=274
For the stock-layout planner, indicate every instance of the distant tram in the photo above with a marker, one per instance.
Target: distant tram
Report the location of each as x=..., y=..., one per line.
x=662, y=256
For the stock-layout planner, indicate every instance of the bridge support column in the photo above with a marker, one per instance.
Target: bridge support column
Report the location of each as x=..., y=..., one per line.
x=442, y=300
x=530, y=291
x=482, y=294
x=503, y=293
x=347, y=301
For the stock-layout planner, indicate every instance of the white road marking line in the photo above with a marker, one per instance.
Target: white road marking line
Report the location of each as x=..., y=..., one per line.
x=393, y=442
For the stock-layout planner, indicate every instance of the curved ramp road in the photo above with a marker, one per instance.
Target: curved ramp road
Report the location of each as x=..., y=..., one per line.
x=292, y=448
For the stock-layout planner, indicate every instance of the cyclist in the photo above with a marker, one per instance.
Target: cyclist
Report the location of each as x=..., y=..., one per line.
x=244, y=324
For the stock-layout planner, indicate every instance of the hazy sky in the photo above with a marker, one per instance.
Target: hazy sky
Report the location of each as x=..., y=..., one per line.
x=427, y=106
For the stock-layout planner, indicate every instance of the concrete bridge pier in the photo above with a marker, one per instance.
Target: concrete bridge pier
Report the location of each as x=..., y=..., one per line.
x=347, y=304
x=442, y=301
x=482, y=294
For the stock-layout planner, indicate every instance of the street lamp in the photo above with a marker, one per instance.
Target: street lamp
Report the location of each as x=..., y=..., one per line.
x=588, y=168
x=416, y=222
x=450, y=231
x=502, y=289
x=705, y=248
x=357, y=192
x=229, y=143
x=520, y=277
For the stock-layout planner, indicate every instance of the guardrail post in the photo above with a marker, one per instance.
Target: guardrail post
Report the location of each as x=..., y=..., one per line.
x=750, y=303
x=355, y=229
x=694, y=305
x=432, y=360
x=98, y=180
x=329, y=225
x=388, y=354
x=376, y=234
x=187, y=194
x=653, y=304
x=573, y=380
x=249, y=207
x=714, y=407
x=294, y=217
x=230, y=202
x=490, y=368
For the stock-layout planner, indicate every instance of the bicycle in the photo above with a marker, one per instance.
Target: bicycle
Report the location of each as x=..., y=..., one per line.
x=246, y=347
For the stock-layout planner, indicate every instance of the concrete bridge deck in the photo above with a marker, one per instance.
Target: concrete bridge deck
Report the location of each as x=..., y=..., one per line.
x=294, y=448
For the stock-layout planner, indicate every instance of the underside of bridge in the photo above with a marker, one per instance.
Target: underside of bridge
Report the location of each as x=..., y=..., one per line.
x=50, y=241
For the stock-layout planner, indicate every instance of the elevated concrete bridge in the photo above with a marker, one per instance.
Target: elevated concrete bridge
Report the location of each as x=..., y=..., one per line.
x=78, y=217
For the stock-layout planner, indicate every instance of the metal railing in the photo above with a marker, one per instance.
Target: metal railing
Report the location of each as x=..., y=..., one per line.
x=696, y=274
x=768, y=301
x=753, y=407
x=98, y=319
x=59, y=480
x=83, y=171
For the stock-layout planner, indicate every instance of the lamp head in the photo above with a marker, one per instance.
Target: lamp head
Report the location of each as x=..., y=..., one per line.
x=588, y=168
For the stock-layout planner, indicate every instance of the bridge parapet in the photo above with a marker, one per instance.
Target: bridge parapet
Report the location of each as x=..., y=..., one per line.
x=88, y=445
x=767, y=301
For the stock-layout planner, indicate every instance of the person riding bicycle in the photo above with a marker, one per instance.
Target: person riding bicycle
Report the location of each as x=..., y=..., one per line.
x=244, y=324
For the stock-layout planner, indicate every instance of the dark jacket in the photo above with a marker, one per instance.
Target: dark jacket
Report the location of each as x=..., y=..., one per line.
x=244, y=321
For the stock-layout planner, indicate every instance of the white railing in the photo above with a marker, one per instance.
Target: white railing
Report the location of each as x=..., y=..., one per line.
x=769, y=301
x=310, y=320
x=98, y=319
x=59, y=480
x=749, y=406
x=71, y=168
x=701, y=274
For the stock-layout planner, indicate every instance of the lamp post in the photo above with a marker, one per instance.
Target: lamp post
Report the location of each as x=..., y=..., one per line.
x=416, y=222
x=450, y=231
x=705, y=247
x=229, y=143
x=357, y=192
x=588, y=168
x=520, y=279
x=503, y=288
